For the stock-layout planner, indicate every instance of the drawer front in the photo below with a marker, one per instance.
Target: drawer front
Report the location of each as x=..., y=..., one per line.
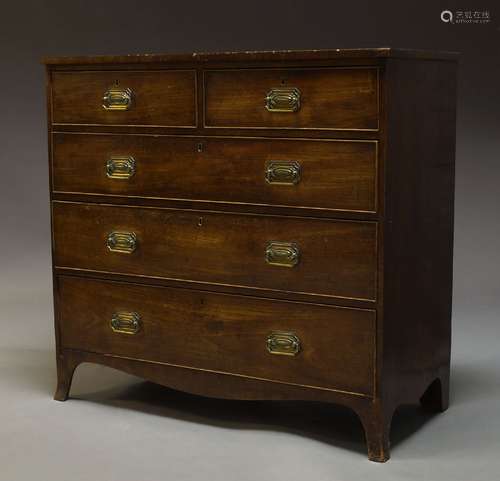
x=338, y=175
x=155, y=98
x=324, y=257
x=328, y=98
x=326, y=347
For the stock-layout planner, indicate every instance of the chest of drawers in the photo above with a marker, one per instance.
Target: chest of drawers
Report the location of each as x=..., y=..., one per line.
x=259, y=225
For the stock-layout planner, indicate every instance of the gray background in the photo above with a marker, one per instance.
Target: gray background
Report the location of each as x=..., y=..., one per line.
x=119, y=428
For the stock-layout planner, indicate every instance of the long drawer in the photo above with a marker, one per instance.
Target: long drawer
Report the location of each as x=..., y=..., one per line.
x=290, y=342
x=337, y=174
x=164, y=98
x=311, y=256
x=322, y=98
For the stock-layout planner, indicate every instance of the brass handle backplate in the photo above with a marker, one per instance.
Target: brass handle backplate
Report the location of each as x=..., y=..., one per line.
x=123, y=242
x=284, y=172
x=283, y=343
x=284, y=254
x=116, y=98
x=283, y=99
x=126, y=322
x=120, y=167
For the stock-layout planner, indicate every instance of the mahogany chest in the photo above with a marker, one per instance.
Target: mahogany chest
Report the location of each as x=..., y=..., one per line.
x=258, y=225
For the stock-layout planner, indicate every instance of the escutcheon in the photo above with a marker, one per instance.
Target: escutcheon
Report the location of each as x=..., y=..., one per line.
x=283, y=343
x=283, y=99
x=284, y=254
x=120, y=167
x=125, y=322
x=283, y=172
x=116, y=98
x=122, y=242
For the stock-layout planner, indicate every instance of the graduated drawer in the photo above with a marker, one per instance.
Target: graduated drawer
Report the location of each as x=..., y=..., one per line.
x=326, y=174
x=311, y=256
x=311, y=98
x=155, y=98
x=288, y=342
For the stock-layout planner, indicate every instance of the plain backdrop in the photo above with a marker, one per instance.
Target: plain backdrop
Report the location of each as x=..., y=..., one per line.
x=119, y=428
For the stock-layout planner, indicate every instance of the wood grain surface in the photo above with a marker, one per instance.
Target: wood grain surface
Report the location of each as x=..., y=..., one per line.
x=337, y=258
x=340, y=98
x=334, y=175
x=337, y=55
x=223, y=333
x=162, y=98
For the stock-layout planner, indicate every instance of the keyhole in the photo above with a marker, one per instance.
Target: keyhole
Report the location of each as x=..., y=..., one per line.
x=199, y=147
x=283, y=81
x=200, y=221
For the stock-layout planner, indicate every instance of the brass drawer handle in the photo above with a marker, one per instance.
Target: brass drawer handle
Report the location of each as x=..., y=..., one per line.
x=283, y=172
x=284, y=254
x=283, y=343
x=117, y=99
x=120, y=167
x=126, y=322
x=123, y=242
x=283, y=99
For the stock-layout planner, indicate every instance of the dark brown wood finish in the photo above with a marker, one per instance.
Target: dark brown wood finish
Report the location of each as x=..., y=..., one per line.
x=337, y=258
x=373, y=214
x=338, y=98
x=222, y=333
x=159, y=98
x=334, y=175
x=304, y=57
x=418, y=259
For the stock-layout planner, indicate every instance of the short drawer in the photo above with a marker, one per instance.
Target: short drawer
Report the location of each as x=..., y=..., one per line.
x=310, y=256
x=288, y=342
x=154, y=98
x=318, y=174
x=326, y=98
